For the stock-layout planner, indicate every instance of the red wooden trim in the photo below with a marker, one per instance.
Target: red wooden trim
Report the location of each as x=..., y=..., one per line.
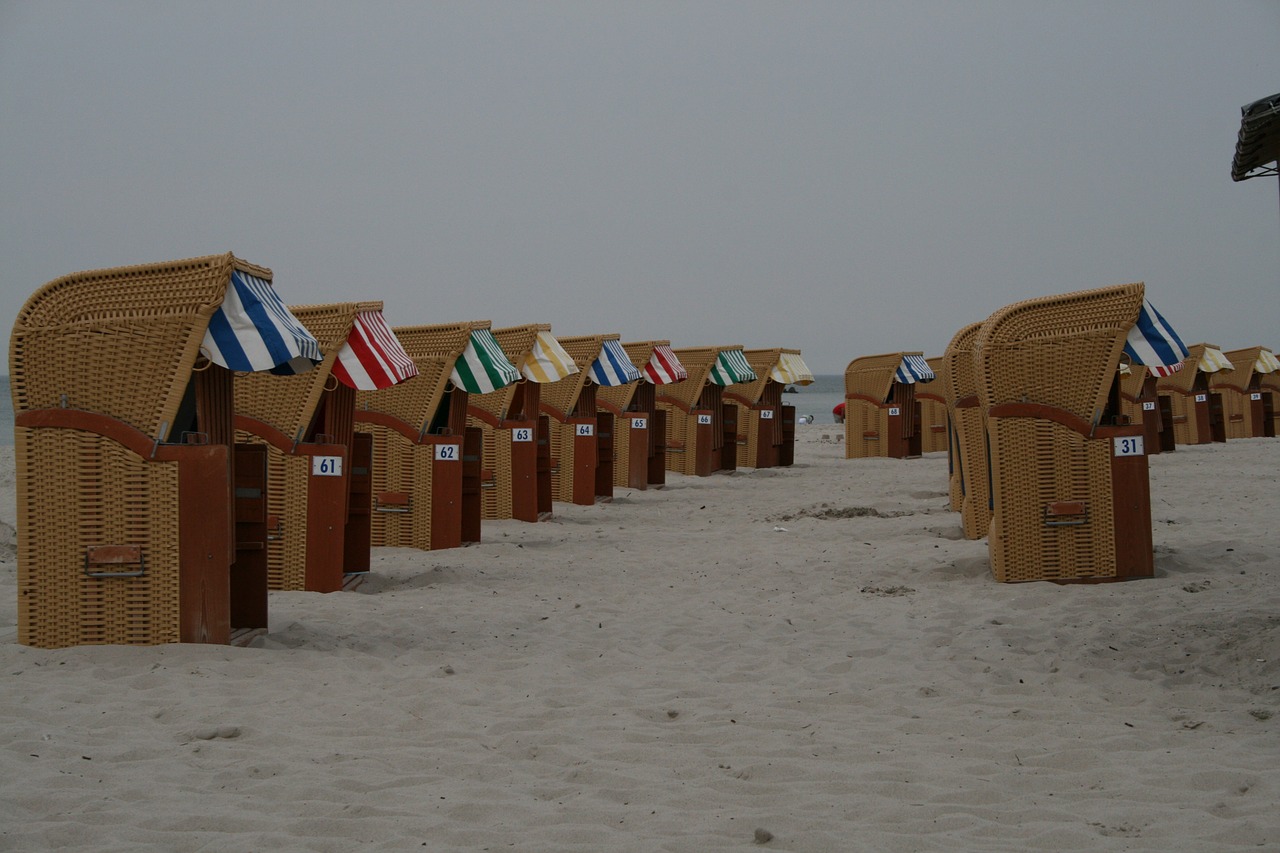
x=1229, y=387
x=738, y=398
x=968, y=401
x=104, y=425
x=1040, y=411
x=550, y=411
x=264, y=431
x=663, y=398
x=488, y=417
x=609, y=407
x=935, y=397
x=390, y=422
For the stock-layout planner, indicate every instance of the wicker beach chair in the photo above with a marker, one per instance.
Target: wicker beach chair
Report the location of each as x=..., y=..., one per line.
x=701, y=428
x=1141, y=404
x=426, y=460
x=1198, y=416
x=516, y=476
x=766, y=425
x=139, y=520
x=639, y=426
x=934, y=430
x=970, y=489
x=321, y=492
x=582, y=434
x=1244, y=402
x=1269, y=386
x=882, y=416
x=1069, y=485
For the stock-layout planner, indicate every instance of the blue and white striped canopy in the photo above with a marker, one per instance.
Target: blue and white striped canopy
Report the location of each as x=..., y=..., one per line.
x=613, y=366
x=1154, y=343
x=253, y=331
x=913, y=369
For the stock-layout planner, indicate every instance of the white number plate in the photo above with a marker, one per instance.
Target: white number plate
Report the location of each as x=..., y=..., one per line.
x=704, y=420
x=1128, y=446
x=639, y=423
x=766, y=414
x=584, y=430
x=1148, y=406
x=326, y=466
x=448, y=453
x=1200, y=398
x=522, y=434
x=894, y=411
x=1255, y=396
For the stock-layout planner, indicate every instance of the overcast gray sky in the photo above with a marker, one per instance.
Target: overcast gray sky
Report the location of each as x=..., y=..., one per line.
x=847, y=178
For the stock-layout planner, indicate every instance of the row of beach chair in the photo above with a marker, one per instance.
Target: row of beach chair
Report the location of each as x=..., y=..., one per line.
x=1049, y=409
x=185, y=442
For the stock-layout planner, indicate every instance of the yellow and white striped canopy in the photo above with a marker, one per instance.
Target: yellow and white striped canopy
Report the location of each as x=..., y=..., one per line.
x=547, y=361
x=791, y=370
x=1266, y=363
x=1213, y=360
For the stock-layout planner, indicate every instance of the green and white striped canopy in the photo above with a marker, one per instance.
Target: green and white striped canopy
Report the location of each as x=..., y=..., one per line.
x=483, y=367
x=731, y=368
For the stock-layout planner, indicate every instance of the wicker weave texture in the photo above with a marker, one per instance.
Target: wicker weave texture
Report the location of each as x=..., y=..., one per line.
x=622, y=438
x=288, y=403
x=1036, y=463
x=872, y=375
x=496, y=496
x=93, y=492
x=1235, y=385
x=414, y=401
x=402, y=466
x=698, y=362
x=119, y=341
x=681, y=438
x=1061, y=351
x=561, y=397
x=971, y=441
x=562, y=470
x=866, y=429
x=448, y=339
x=1186, y=428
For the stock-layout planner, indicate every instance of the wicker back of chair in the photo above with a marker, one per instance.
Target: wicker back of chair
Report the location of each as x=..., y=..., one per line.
x=1060, y=351
x=120, y=342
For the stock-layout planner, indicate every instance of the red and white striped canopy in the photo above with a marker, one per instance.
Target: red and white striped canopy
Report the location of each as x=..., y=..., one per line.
x=664, y=367
x=372, y=357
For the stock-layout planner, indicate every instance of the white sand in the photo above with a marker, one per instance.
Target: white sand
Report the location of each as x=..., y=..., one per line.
x=673, y=671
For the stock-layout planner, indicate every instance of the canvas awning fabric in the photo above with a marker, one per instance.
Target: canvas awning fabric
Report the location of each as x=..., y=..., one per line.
x=731, y=367
x=547, y=361
x=372, y=356
x=253, y=331
x=483, y=367
x=1154, y=343
x=664, y=367
x=613, y=366
x=791, y=370
x=1212, y=360
x=1266, y=363
x=913, y=369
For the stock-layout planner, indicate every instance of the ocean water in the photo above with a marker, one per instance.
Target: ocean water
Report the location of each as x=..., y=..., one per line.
x=819, y=398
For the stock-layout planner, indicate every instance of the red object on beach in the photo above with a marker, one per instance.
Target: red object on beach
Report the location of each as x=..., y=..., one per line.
x=838, y=410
